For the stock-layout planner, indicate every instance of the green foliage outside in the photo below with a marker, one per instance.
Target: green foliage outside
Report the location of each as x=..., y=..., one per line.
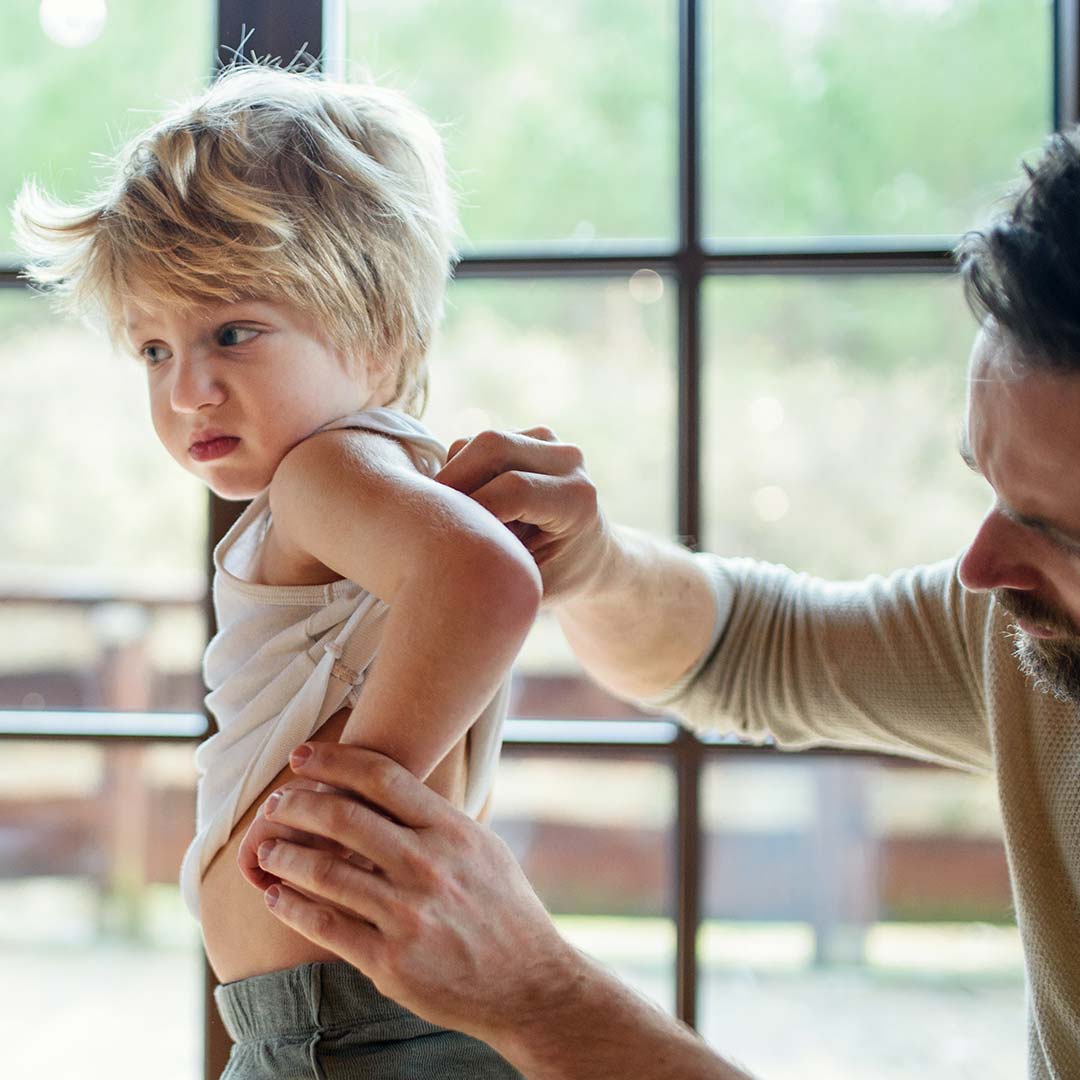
x=560, y=118
x=830, y=117
x=832, y=411
x=66, y=109
x=821, y=117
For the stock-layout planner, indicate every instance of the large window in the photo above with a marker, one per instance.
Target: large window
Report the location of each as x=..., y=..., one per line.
x=705, y=240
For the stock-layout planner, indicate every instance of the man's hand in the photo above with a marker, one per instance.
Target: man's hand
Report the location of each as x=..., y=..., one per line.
x=637, y=611
x=262, y=829
x=435, y=911
x=440, y=917
x=538, y=487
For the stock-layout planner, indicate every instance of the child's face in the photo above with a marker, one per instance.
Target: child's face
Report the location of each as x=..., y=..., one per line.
x=256, y=371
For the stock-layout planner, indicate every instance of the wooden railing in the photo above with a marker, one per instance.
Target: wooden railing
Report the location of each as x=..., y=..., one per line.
x=131, y=830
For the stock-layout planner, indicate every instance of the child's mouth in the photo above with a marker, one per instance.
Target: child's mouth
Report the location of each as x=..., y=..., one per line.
x=213, y=448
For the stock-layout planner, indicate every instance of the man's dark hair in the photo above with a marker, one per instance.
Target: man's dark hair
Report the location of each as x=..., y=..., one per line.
x=1023, y=269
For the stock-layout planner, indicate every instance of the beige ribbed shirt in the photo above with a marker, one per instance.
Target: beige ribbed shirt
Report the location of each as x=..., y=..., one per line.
x=913, y=664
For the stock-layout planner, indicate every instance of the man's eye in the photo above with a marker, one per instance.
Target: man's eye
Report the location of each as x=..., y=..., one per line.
x=1066, y=547
x=235, y=335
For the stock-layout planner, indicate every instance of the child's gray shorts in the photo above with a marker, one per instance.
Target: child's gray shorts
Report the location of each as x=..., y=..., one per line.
x=328, y=1022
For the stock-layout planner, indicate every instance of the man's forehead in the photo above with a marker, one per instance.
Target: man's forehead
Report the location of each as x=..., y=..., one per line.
x=1020, y=432
x=996, y=382
x=993, y=356
x=996, y=392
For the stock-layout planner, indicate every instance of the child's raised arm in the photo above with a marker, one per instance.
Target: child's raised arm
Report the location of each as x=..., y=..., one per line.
x=462, y=590
x=462, y=593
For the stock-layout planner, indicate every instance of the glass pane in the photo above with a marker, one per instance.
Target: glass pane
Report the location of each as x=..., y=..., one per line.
x=104, y=962
x=593, y=360
x=102, y=544
x=831, y=420
x=833, y=117
x=81, y=80
x=549, y=109
x=594, y=835
x=868, y=904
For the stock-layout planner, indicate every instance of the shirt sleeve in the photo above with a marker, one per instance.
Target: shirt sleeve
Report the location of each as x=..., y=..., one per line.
x=890, y=664
x=723, y=596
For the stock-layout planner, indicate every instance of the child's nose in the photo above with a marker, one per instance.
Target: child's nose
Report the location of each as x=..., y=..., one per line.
x=195, y=384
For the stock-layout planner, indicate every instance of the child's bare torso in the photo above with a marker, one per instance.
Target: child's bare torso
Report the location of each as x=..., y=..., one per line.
x=242, y=937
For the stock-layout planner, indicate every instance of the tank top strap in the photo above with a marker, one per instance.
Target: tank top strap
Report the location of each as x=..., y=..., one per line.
x=399, y=425
x=256, y=509
x=353, y=649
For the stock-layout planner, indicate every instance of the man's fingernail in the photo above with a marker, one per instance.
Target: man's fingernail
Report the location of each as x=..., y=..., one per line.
x=264, y=850
x=271, y=896
x=300, y=755
x=271, y=803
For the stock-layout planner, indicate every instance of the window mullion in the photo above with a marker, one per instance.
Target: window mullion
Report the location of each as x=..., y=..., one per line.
x=1066, y=63
x=689, y=270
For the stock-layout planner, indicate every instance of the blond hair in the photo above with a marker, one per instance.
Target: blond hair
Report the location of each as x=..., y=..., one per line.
x=273, y=184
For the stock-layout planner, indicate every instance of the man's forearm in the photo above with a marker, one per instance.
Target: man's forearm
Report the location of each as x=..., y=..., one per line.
x=646, y=619
x=594, y=1027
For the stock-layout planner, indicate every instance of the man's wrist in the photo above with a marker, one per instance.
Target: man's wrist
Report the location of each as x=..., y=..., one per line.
x=611, y=573
x=586, y=1024
x=554, y=998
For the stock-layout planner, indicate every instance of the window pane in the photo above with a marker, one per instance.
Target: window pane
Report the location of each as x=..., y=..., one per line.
x=868, y=905
x=833, y=117
x=594, y=835
x=593, y=360
x=66, y=101
x=104, y=964
x=561, y=118
x=102, y=548
x=831, y=420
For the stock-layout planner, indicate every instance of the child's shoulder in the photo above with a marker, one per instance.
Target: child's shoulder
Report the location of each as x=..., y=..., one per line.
x=384, y=437
x=349, y=454
x=345, y=470
x=365, y=448
x=356, y=502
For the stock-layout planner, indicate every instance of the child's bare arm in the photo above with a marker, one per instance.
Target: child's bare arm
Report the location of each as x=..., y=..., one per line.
x=462, y=593
x=462, y=590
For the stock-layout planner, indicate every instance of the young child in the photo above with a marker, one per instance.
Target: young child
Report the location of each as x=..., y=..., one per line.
x=275, y=254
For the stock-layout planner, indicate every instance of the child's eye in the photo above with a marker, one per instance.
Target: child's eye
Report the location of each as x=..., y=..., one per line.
x=235, y=335
x=154, y=354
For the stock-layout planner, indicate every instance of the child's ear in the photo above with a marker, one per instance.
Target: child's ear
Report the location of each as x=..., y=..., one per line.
x=384, y=383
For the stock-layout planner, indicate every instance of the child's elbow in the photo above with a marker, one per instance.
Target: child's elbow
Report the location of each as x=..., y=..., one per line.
x=508, y=581
x=521, y=581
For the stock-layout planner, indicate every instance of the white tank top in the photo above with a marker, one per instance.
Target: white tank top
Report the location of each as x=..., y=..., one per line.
x=285, y=658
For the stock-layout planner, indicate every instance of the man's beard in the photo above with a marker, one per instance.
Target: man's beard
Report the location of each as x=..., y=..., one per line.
x=1052, y=664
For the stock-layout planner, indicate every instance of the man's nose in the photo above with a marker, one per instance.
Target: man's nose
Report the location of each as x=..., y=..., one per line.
x=195, y=383
x=1000, y=556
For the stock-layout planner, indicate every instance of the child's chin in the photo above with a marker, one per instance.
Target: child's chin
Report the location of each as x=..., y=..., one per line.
x=231, y=493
